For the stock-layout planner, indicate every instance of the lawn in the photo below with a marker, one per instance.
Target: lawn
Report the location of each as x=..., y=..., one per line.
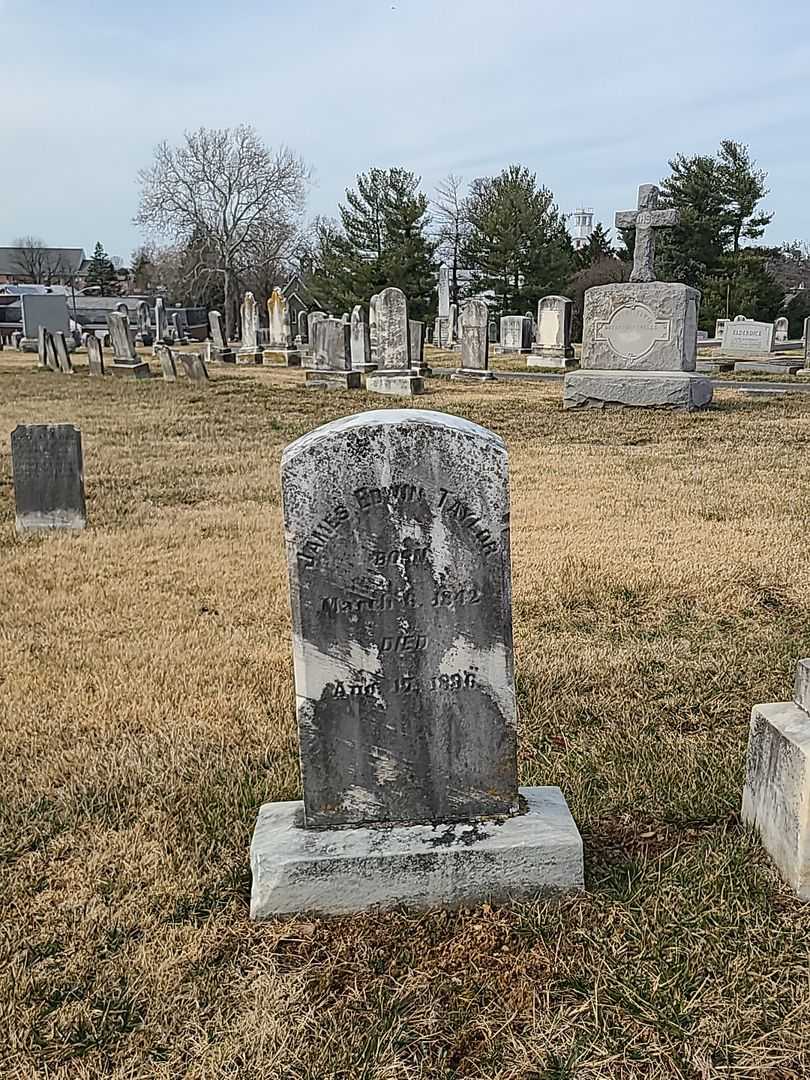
x=661, y=585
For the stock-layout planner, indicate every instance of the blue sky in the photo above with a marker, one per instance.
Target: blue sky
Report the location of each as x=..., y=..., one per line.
x=595, y=97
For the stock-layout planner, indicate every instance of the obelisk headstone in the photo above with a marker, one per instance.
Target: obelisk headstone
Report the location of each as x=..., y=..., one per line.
x=48, y=477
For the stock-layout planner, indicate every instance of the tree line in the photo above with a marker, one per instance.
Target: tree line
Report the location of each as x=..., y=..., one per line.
x=224, y=213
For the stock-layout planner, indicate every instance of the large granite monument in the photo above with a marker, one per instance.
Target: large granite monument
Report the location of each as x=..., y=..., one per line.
x=639, y=340
x=46, y=462
x=397, y=531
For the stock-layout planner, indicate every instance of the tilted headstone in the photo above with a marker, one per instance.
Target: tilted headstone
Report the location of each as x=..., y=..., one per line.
x=125, y=359
x=42, y=347
x=639, y=338
x=397, y=532
x=475, y=342
x=62, y=354
x=444, y=292
x=330, y=366
x=48, y=477
x=360, y=340
x=516, y=334
x=161, y=326
x=50, y=352
x=95, y=354
x=168, y=368
x=552, y=334
x=781, y=328
x=394, y=374
x=194, y=367
x=144, y=324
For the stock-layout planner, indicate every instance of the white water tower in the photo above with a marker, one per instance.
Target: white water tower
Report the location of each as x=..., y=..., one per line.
x=583, y=227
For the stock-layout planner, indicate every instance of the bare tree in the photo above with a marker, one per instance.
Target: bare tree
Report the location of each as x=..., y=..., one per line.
x=226, y=192
x=449, y=214
x=36, y=261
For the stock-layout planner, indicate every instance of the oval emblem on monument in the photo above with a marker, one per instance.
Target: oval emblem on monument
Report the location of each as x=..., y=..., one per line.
x=631, y=331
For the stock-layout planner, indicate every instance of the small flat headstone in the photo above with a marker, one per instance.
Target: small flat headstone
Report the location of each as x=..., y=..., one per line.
x=48, y=477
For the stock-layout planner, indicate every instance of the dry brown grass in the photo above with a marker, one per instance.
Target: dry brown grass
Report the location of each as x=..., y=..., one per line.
x=661, y=588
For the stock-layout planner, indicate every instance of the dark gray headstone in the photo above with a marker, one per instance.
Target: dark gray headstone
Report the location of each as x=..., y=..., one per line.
x=194, y=367
x=475, y=336
x=397, y=527
x=331, y=345
x=95, y=354
x=48, y=477
x=42, y=347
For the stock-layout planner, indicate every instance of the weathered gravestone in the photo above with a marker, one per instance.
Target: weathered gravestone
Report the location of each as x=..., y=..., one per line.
x=394, y=374
x=179, y=335
x=312, y=318
x=330, y=366
x=222, y=349
x=748, y=339
x=62, y=354
x=95, y=354
x=397, y=531
x=719, y=327
x=360, y=340
x=781, y=328
x=516, y=334
x=161, y=327
x=639, y=339
x=125, y=359
x=249, y=352
x=552, y=337
x=776, y=797
x=303, y=329
x=279, y=347
x=48, y=310
x=450, y=338
x=474, y=342
x=42, y=347
x=194, y=367
x=440, y=326
x=168, y=368
x=48, y=474
x=144, y=336
x=50, y=352
x=374, y=341
x=416, y=335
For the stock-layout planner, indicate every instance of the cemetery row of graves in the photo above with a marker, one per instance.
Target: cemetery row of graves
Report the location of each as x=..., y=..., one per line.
x=439, y=770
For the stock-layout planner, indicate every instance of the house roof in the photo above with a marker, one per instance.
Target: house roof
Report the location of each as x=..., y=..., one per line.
x=13, y=260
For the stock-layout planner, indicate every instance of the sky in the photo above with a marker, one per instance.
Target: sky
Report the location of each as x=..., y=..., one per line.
x=593, y=97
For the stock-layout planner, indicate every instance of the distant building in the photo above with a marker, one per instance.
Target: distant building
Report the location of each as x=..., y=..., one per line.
x=583, y=227
x=42, y=265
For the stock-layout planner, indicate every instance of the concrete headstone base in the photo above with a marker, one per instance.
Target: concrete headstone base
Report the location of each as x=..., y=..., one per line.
x=398, y=383
x=288, y=357
x=546, y=361
x=347, y=870
x=636, y=389
x=768, y=367
x=138, y=371
x=252, y=356
x=333, y=380
x=471, y=375
x=776, y=797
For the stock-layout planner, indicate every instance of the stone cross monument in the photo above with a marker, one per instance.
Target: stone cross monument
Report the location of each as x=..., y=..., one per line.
x=645, y=220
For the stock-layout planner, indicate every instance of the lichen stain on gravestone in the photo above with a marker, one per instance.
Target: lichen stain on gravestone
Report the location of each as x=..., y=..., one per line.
x=401, y=595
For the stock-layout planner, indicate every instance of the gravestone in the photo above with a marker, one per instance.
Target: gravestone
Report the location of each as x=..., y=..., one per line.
x=394, y=374
x=360, y=340
x=552, y=336
x=516, y=334
x=493, y=332
x=62, y=354
x=776, y=797
x=416, y=335
x=807, y=344
x=312, y=318
x=179, y=336
x=50, y=352
x=168, y=368
x=125, y=359
x=222, y=349
x=42, y=347
x=372, y=329
x=194, y=367
x=48, y=310
x=145, y=336
x=781, y=328
x=48, y=474
x=249, y=352
x=742, y=318
x=330, y=366
x=719, y=327
x=279, y=347
x=122, y=309
x=303, y=328
x=95, y=354
x=444, y=292
x=639, y=338
x=744, y=337
x=474, y=342
x=450, y=338
x=397, y=530
x=161, y=327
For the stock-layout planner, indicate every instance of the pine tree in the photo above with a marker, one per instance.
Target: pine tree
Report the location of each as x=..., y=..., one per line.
x=596, y=250
x=101, y=272
x=518, y=246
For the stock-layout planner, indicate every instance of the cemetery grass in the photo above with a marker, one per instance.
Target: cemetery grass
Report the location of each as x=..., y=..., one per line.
x=660, y=587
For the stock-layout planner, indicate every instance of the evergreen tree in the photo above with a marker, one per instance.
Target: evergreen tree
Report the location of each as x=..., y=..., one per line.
x=518, y=246
x=797, y=310
x=381, y=241
x=597, y=248
x=102, y=273
x=741, y=285
x=742, y=186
